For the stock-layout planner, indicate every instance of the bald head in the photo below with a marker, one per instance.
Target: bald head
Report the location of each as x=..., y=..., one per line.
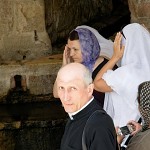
x=75, y=71
x=74, y=86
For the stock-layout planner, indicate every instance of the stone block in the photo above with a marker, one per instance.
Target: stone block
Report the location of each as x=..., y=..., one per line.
x=22, y=30
x=143, y=10
x=39, y=74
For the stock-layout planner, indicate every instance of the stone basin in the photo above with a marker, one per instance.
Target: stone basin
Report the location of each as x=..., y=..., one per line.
x=38, y=75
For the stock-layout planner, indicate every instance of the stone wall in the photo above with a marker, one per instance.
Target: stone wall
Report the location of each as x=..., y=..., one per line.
x=62, y=16
x=140, y=11
x=32, y=126
x=38, y=75
x=22, y=30
x=24, y=38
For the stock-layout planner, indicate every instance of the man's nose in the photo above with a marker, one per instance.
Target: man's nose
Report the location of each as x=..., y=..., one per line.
x=66, y=96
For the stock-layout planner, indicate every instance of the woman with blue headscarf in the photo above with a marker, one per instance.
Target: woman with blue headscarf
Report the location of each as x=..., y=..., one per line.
x=84, y=46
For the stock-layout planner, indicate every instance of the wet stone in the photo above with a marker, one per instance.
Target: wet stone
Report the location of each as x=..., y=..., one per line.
x=36, y=125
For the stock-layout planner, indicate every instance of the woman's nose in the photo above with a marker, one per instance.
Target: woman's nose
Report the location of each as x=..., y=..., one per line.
x=72, y=52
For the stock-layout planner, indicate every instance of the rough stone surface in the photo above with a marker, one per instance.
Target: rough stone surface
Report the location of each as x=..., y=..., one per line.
x=33, y=135
x=36, y=126
x=22, y=30
x=140, y=11
x=40, y=74
x=62, y=16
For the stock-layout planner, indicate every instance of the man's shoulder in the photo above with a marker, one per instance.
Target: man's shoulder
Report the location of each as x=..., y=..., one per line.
x=99, y=117
x=100, y=113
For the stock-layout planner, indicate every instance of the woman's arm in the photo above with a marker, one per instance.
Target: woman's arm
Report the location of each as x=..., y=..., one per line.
x=99, y=83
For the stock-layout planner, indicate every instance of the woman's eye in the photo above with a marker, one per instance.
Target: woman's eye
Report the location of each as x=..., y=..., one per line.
x=68, y=48
x=75, y=49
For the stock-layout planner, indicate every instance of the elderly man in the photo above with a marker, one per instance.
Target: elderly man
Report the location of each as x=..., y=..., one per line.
x=88, y=127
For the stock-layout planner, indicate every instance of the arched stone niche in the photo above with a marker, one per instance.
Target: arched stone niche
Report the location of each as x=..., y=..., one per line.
x=64, y=15
x=22, y=30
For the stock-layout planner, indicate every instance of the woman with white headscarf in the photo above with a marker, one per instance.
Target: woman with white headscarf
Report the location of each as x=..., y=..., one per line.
x=132, y=49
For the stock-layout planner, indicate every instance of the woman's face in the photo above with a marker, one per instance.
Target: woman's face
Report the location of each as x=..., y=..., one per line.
x=75, y=50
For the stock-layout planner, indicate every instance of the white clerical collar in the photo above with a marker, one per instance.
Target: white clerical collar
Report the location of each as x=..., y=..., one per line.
x=74, y=113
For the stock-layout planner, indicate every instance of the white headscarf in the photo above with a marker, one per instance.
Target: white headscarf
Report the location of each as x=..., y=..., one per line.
x=105, y=45
x=121, y=104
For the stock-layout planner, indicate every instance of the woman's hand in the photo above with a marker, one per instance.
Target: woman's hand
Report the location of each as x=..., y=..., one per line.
x=66, y=55
x=118, y=47
x=136, y=126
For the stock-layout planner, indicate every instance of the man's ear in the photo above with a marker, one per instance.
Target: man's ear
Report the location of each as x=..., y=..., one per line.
x=90, y=88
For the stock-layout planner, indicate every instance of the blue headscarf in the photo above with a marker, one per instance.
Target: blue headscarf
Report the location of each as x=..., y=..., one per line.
x=90, y=47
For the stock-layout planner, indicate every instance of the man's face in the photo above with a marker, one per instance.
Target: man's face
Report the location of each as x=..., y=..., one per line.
x=73, y=94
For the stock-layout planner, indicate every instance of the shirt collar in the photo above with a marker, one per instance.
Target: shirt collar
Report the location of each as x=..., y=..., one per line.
x=74, y=113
